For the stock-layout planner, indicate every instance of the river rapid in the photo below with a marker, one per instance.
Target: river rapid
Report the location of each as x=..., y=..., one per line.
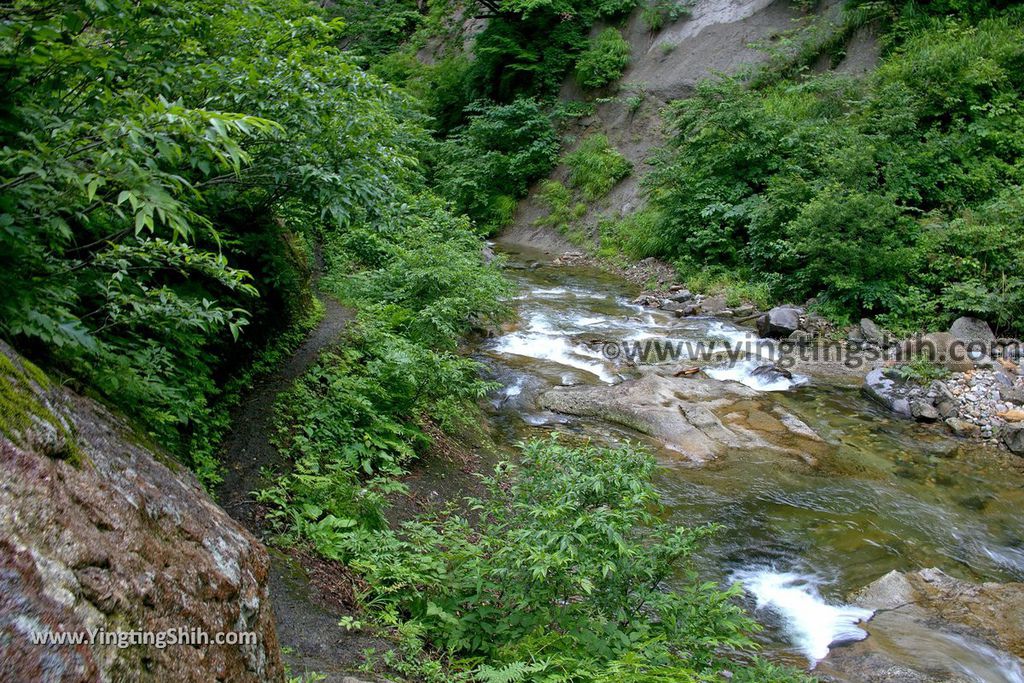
x=800, y=534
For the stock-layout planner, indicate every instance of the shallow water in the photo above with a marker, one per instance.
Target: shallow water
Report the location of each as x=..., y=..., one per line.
x=887, y=494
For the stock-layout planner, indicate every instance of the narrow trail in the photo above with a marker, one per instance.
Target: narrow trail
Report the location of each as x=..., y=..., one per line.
x=307, y=623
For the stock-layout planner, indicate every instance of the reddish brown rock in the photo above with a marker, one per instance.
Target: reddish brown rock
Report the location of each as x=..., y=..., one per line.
x=98, y=531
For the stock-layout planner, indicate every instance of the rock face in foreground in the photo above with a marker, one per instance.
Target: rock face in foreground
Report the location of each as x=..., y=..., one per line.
x=938, y=628
x=96, y=532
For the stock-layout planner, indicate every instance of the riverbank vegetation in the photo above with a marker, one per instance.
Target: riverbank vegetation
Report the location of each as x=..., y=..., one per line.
x=895, y=195
x=180, y=178
x=168, y=172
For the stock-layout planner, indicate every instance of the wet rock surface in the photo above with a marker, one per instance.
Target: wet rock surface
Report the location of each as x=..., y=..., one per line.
x=935, y=626
x=696, y=416
x=105, y=532
x=894, y=395
x=780, y=322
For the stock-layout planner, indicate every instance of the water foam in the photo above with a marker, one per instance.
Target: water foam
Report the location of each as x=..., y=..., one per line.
x=735, y=336
x=810, y=623
x=742, y=372
x=551, y=348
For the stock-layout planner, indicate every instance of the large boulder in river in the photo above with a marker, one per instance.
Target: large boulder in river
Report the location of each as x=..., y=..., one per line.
x=780, y=322
x=939, y=347
x=696, y=416
x=972, y=330
x=99, y=530
x=929, y=626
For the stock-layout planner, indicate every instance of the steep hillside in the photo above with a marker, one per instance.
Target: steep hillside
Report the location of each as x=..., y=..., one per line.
x=719, y=37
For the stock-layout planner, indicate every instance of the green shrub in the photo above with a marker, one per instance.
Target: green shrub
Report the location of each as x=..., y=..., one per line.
x=351, y=424
x=560, y=573
x=656, y=14
x=595, y=167
x=879, y=196
x=563, y=210
x=492, y=160
x=921, y=371
x=441, y=89
x=534, y=44
x=424, y=280
x=604, y=60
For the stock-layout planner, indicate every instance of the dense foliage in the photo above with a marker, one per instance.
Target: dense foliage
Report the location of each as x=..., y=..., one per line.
x=894, y=195
x=604, y=60
x=657, y=13
x=166, y=168
x=560, y=576
x=489, y=163
x=532, y=48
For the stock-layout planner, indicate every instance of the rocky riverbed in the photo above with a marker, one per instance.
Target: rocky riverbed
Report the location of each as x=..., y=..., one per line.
x=979, y=393
x=819, y=490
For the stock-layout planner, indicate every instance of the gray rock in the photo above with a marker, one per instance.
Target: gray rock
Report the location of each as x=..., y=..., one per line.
x=1012, y=395
x=870, y=331
x=816, y=324
x=982, y=362
x=892, y=591
x=918, y=606
x=962, y=428
x=486, y=253
x=923, y=411
x=771, y=373
x=684, y=310
x=698, y=417
x=670, y=305
x=800, y=336
x=887, y=392
x=780, y=322
x=972, y=330
x=1013, y=438
x=941, y=391
x=939, y=347
x=947, y=409
x=681, y=295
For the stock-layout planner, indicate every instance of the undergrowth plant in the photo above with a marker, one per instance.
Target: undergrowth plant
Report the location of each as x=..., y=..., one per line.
x=920, y=370
x=595, y=167
x=563, y=571
x=656, y=14
x=604, y=60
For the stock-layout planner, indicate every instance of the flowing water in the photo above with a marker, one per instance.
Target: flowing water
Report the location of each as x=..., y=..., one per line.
x=889, y=494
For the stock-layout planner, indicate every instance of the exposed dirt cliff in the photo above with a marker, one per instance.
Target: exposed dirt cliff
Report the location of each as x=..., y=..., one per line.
x=720, y=37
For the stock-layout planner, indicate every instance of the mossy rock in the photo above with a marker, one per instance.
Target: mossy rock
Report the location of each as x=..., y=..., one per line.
x=27, y=418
